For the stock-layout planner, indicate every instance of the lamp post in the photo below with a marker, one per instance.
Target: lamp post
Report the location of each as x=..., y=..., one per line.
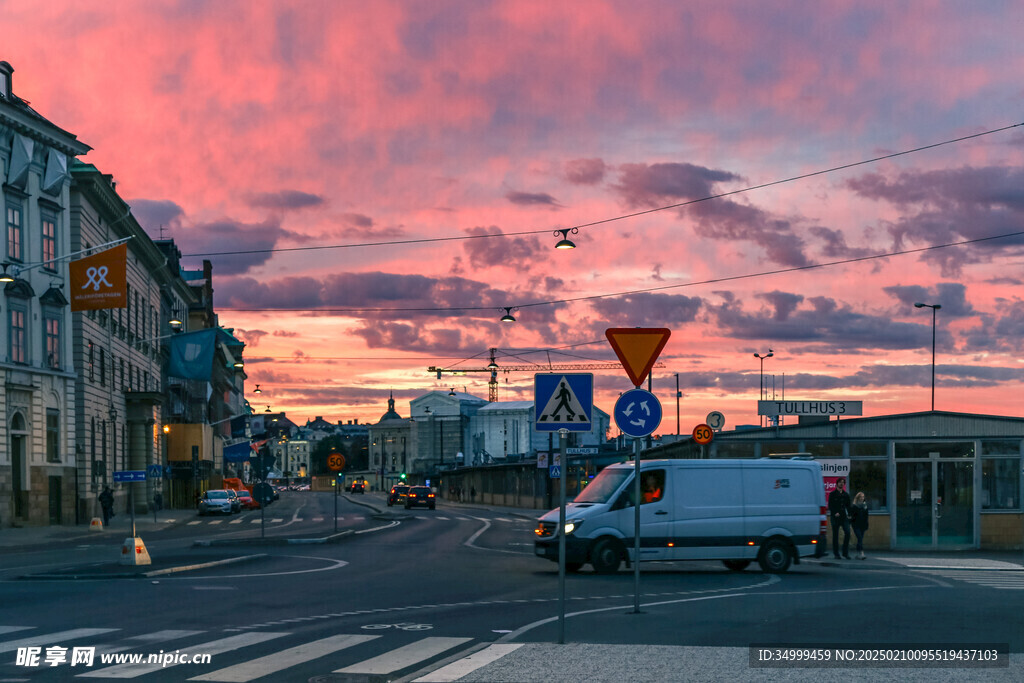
x=760, y=394
x=934, y=308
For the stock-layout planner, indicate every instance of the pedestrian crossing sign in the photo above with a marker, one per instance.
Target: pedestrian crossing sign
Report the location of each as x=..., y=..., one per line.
x=563, y=401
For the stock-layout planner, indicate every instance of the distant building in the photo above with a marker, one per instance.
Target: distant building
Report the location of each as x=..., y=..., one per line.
x=390, y=444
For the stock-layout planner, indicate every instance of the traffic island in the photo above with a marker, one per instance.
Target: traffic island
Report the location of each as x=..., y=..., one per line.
x=158, y=567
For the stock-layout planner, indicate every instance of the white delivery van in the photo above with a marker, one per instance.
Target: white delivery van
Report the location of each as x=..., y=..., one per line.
x=736, y=511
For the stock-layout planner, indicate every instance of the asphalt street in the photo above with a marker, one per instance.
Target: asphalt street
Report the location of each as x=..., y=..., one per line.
x=456, y=594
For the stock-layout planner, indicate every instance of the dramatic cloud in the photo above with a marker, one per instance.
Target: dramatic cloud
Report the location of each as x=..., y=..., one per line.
x=643, y=185
x=628, y=311
x=157, y=216
x=221, y=241
x=531, y=198
x=508, y=252
x=585, y=171
x=284, y=200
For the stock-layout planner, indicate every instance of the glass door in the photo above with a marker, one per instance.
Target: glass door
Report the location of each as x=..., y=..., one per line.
x=914, y=505
x=934, y=504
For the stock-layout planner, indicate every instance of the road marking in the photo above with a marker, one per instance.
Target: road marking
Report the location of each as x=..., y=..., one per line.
x=403, y=657
x=444, y=518
x=214, y=647
x=275, y=520
x=216, y=521
x=318, y=519
x=12, y=629
x=236, y=521
x=1000, y=580
x=255, y=521
x=196, y=522
x=51, y=638
x=148, y=639
x=503, y=519
x=279, y=661
x=468, y=665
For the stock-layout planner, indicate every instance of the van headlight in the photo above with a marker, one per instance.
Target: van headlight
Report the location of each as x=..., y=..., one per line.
x=572, y=525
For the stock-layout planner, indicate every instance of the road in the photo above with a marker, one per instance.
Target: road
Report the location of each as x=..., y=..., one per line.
x=408, y=591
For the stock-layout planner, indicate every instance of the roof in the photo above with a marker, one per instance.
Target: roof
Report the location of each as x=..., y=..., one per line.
x=507, y=405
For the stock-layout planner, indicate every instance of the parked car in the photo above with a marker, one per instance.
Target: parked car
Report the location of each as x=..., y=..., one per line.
x=419, y=496
x=397, y=494
x=247, y=501
x=357, y=487
x=216, y=501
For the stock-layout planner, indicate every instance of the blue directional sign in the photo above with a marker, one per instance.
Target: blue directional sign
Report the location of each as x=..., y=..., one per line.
x=563, y=401
x=637, y=413
x=122, y=476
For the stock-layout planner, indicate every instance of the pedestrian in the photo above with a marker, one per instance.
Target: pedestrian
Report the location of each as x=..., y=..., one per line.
x=107, y=503
x=839, y=511
x=158, y=501
x=472, y=494
x=859, y=521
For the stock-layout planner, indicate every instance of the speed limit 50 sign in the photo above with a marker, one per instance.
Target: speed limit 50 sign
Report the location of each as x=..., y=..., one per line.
x=703, y=434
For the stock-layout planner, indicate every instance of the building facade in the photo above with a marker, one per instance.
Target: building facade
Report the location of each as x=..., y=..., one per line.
x=37, y=408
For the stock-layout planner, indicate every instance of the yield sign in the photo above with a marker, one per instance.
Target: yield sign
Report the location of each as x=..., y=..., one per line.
x=637, y=348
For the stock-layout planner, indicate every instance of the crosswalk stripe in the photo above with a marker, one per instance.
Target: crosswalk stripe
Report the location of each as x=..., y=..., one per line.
x=992, y=579
x=468, y=665
x=279, y=661
x=216, y=521
x=444, y=518
x=277, y=519
x=148, y=639
x=195, y=522
x=318, y=519
x=12, y=629
x=53, y=638
x=502, y=519
x=235, y=521
x=407, y=655
x=214, y=647
x=255, y=521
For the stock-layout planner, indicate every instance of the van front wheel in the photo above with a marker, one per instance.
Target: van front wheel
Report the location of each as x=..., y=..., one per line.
x=775, y=557
x=606, y=556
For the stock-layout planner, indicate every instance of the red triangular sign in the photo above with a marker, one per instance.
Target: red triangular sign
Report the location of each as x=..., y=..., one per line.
x=638, y=349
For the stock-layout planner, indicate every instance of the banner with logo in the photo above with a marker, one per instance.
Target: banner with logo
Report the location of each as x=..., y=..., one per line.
x=192, y=354
x=100, y=280
x=832, y=470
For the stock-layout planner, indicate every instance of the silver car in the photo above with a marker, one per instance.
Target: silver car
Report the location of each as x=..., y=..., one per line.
x=217, y=500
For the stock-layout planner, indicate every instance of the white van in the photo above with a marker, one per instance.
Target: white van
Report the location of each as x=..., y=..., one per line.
x=736, y=511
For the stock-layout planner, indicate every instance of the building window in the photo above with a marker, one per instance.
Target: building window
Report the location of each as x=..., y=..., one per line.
x=92, y=362
x=1000, y=484
x=49, y=244
x=880, y=448
x=103, y=367
x=18, y=350
x=13, y=231
x=869, y=476
x=52, y=435
x=53, y=342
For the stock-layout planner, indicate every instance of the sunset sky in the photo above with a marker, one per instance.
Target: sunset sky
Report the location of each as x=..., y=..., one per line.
x=258, y=126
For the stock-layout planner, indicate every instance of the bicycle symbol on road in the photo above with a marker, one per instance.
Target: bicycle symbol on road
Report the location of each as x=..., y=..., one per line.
x=403, y=627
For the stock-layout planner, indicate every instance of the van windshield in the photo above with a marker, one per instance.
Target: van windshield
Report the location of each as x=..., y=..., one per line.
x=604, y=485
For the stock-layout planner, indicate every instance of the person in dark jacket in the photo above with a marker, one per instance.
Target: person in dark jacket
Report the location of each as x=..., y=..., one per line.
x=839, y=514
x=107, y=503
x=859, y=521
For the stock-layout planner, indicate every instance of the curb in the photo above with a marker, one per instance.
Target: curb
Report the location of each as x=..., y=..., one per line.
x=333, y=538
x=139, y=575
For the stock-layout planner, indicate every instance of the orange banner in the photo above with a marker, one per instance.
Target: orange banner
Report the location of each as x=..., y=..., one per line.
x=100, y=280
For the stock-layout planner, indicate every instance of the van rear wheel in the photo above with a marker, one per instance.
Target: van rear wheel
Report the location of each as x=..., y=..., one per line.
x=736, y=565
x=606, y=556
x=775, y=557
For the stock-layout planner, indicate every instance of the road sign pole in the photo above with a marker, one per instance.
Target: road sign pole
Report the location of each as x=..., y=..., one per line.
x=562, y=434
x=335, y=503
x=131, y=504
x=636, y=526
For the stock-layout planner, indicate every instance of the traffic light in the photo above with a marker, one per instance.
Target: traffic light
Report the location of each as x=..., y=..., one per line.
x=403, y=476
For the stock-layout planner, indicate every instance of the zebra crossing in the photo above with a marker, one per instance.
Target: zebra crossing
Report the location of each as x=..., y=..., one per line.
x=992, y=578
x=351, y=518
x=237, y=658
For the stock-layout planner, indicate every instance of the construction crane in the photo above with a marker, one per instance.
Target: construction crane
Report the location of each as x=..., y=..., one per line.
x=493, y=367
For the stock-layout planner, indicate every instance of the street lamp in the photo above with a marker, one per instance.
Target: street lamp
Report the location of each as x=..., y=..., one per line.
x=934, y=308
x=761, y=388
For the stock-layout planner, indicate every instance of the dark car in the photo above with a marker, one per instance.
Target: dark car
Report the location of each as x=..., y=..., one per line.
x=397, y=495
x=357, y=487
x=419, y=496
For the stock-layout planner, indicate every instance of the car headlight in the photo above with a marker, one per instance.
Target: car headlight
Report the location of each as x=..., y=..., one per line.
x=572, y=525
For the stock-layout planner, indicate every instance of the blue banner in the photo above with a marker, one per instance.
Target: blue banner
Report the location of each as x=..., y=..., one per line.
x=192, y=355
x=239, y=452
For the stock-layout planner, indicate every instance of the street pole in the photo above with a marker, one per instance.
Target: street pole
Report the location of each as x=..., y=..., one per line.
x=636, y=526
x=934, y=307
x=678, y=396
x=562, y=434
x=335, y=502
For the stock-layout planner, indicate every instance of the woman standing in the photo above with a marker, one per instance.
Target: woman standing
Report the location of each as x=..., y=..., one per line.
x=859, y=521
